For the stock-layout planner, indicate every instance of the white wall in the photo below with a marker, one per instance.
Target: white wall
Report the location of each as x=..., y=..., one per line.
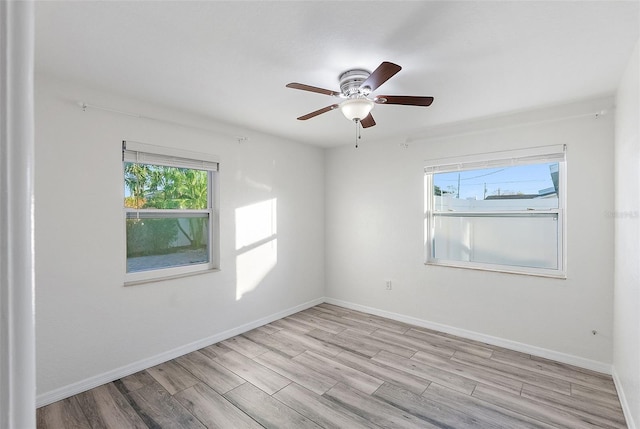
x=88, y=324
x=374, y=227
x=626, y=334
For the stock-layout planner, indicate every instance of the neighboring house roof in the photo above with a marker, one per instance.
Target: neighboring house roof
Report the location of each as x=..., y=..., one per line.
x=520, y=196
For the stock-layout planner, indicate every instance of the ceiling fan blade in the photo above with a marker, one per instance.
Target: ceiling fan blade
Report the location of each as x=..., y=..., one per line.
x=310, y=88
x=318, y=112
x=383, y=73
x=405, y=100
x=367, y=121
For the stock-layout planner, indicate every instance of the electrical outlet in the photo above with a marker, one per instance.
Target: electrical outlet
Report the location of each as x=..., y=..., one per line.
x=389, y=285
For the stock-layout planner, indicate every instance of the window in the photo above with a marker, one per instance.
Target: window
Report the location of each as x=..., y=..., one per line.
x=501, y=211
x=168, y=211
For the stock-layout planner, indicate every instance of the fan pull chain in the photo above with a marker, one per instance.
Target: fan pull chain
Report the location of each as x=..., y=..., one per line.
x=358, y=135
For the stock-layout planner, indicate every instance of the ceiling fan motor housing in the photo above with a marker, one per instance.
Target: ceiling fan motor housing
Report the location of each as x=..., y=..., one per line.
x=351, y=80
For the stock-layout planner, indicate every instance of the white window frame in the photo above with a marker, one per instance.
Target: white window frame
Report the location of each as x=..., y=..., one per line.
x=145, y=153
x=541, y=154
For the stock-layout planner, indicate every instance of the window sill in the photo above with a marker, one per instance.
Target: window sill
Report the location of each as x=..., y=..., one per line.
x=502, y=269
x=169, y=277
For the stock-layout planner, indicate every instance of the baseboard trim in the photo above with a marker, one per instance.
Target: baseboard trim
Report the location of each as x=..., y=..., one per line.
x=623, y=400
x=496, y=341
x=117, y=373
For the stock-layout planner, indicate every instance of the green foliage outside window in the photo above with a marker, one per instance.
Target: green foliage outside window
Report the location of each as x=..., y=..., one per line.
x=150, y=236
x=162, y=187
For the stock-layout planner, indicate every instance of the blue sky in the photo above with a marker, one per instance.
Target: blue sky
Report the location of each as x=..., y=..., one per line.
x=526, y=179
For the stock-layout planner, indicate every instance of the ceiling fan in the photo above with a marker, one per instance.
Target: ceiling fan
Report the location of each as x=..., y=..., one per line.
x=356, y=86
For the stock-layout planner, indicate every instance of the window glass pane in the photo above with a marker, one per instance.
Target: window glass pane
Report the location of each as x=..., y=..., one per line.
x=162, y=187
x=513, y=240
x=155, y=242
x=520, y=187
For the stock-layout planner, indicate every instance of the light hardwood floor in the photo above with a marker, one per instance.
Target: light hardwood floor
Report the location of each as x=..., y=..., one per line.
x=331, y=367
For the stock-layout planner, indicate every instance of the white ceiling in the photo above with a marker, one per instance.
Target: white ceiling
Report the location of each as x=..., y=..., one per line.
x=231, y=60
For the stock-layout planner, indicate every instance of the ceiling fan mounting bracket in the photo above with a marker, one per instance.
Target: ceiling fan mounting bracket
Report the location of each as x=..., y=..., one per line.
x=351, y=80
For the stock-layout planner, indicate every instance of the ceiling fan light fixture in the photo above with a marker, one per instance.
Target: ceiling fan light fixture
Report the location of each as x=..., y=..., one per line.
x=356, y=108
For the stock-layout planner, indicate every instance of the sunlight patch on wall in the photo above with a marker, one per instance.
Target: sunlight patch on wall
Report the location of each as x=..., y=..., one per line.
x=256, y=244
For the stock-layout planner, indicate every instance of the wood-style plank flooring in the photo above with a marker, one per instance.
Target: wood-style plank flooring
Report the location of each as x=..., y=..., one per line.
x=329, y=367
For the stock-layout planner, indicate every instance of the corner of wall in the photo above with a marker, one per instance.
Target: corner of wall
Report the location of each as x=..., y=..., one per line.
x=626, y=327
